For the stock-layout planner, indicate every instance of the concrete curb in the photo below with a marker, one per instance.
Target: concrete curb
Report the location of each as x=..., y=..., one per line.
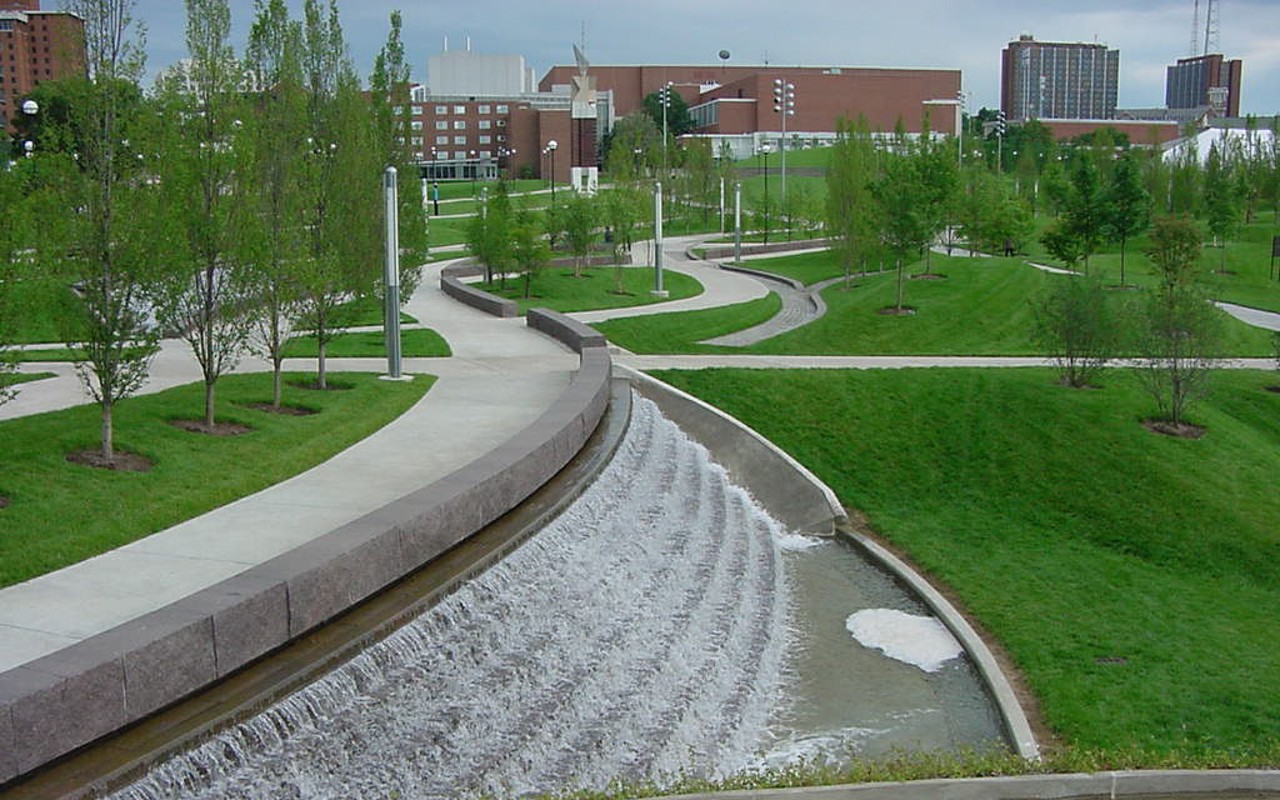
x=792, y=493
x=56, y=704
x=452, y=286
x=718, y=252
x=1260, y=784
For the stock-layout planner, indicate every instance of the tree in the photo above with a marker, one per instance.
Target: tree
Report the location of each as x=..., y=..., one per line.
x=489, y=234
x=578, y=220
x=623, y=208
x=529, y=248
x=1127, y=205
x=1083, y=216
x=939, y=183
x=1221, y=199
x=15, y=228
x=205, y=171
x=679, y=121
x=1073, y=325
x=110, y=256
x=273, y=236
x=632, y=147
x=851, y=210
x=390, y=101
x=1179, y=329
x=905, y=227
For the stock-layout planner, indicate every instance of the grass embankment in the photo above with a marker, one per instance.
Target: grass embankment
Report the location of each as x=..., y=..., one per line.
x=1134, y=578
x=981, y=307
x=414, y=343
x=679, y=331
x=556, y=288
x=60, y=513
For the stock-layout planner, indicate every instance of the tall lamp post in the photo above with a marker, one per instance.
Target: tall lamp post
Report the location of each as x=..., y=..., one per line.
x=664, y=96
x=551, y=151
x=784, y=104
x=31, y=108
x=765, y=148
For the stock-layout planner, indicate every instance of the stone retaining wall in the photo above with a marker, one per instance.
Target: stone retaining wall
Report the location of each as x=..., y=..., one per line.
x=452, y=285
x=721, y=252
x=56, y=704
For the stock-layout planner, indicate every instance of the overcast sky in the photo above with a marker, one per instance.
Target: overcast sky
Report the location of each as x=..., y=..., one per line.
x=954, y=34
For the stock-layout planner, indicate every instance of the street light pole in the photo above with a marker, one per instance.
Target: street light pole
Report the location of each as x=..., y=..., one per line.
x=784, y=104
x=764, y=148
x=551, y=150
x=665, y=97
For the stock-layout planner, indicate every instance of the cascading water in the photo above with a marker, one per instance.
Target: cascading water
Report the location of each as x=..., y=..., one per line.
x=664, y=624
x=641, y=634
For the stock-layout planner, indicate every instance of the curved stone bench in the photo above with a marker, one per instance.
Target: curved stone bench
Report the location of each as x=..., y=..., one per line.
x=452, y=285
x=65, y=700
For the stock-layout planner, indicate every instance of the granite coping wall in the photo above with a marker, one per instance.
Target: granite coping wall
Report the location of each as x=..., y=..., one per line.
x=54, y=705
x=452, y=285
x=720, y=252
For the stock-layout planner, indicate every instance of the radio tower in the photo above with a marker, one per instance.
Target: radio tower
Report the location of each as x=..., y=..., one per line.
x=1210, y=40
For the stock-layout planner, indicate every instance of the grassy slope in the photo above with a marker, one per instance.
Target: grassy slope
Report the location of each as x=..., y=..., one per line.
x=61, y=513
x=1135, y=578
x=679, y=331
x=414, y=343
x=981, y=308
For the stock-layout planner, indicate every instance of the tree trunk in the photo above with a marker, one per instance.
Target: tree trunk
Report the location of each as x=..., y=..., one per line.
x=1122, y=244
x=108, y=433
x=276, y=380
x=321, y=382
x=210, y=387
x=898, y=299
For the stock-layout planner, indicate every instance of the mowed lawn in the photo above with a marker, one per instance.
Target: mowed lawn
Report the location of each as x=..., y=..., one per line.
x=1134, y=578
x=978, y=306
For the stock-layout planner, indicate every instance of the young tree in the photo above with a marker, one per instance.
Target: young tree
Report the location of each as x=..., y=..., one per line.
x=623, y=208
x=111, y=259
x=205, y=172
x=529, y=247
x=390, y=101
x=851, y=210
x=905, y=227
x=14, y=256
x=579, y=218
x=273, y=235
x=1221, y=200
x=489, y=234
x=1127, y=206
x=1083, y=216
x=1179, y=328
x=1073, y=324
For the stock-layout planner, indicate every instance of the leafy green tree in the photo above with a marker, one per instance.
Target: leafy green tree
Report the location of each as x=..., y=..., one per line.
x=851, y=210
x=1179, y=329
x=273, y=235
x=15, y=241
x=204, y=173
x=1127, y=205
x=1184, y=181
x=110, y=245
x=579, y=219
x=905, y=226
x=1083, y=216
x=1074, y=326
x=1221, y=198
x=679, y=121
x=390, y=104
x=939, y=183
x=489, y=234
x=633, y=147
x=529, y=248
x=623, y=208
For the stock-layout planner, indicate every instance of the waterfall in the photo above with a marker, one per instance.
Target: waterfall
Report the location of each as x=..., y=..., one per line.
x=640, y=635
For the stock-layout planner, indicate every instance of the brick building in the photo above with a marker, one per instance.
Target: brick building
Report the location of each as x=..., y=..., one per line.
x=1209, y=81
x=35, y=46
x=1055, y=80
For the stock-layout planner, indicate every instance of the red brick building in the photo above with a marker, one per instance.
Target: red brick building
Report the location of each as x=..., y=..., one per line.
x=35, y=46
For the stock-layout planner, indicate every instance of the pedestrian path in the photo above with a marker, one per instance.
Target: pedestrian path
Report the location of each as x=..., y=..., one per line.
x=501, y=378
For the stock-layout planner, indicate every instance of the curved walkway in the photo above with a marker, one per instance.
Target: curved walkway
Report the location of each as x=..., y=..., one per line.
x=470, y=410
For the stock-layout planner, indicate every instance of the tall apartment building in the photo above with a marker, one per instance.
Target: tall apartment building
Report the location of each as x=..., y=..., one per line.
x=1054, y=80
x=1205, y=81
x=35, y=46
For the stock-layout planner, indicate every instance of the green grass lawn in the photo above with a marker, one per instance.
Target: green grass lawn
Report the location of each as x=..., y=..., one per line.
x=60, y=513
x=38, y=309
x=981, y=307
x=17, y=378
x=414, y=343
x=1134, y=578
x=556, y=288
x=679, y=331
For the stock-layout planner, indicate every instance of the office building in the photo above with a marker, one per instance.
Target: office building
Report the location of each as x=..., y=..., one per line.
x=1209, y=81
x=35, y=46
x=1053, y=80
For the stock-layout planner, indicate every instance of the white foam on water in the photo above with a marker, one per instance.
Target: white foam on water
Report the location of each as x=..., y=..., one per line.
x=799, y=542
x=923, y=642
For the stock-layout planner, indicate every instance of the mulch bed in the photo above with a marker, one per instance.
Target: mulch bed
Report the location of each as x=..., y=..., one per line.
x=928, y=276
x=121, y=462
x=1184, y=430
x=1275, y=389
x=218, y=429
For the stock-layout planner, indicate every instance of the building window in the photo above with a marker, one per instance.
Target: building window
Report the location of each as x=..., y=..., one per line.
x=501, y=138
x=459, y=124
x=416, y=111
x=459, y=155
x=6, y=24
x=486, y=154
x=442, y=124
x=502, y=109
x=482, y=109
x=502, y=123
x=484, y=124
x=416, y=124
x=459, y=109
x=460, y=141
x=442, y=109
x=442, y=140
x=397, y=110
x=484, y=140
x=417, y=141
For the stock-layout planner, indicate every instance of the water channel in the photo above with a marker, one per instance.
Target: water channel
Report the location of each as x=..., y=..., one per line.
x=664, y=624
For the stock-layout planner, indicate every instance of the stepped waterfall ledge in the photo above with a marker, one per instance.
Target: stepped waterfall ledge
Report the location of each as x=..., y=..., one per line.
x=654, y=628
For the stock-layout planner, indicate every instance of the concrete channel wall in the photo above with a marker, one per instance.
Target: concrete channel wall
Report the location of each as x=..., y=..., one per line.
x=54, y=705
x=452, y=285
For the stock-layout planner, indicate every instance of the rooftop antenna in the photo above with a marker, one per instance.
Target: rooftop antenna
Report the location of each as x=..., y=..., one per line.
x=446, y=43
x=1211, y=43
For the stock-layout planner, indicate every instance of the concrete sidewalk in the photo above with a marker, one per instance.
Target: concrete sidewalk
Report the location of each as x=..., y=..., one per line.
x=502, y=377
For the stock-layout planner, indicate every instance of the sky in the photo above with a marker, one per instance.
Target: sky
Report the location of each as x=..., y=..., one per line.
x=950, y=34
